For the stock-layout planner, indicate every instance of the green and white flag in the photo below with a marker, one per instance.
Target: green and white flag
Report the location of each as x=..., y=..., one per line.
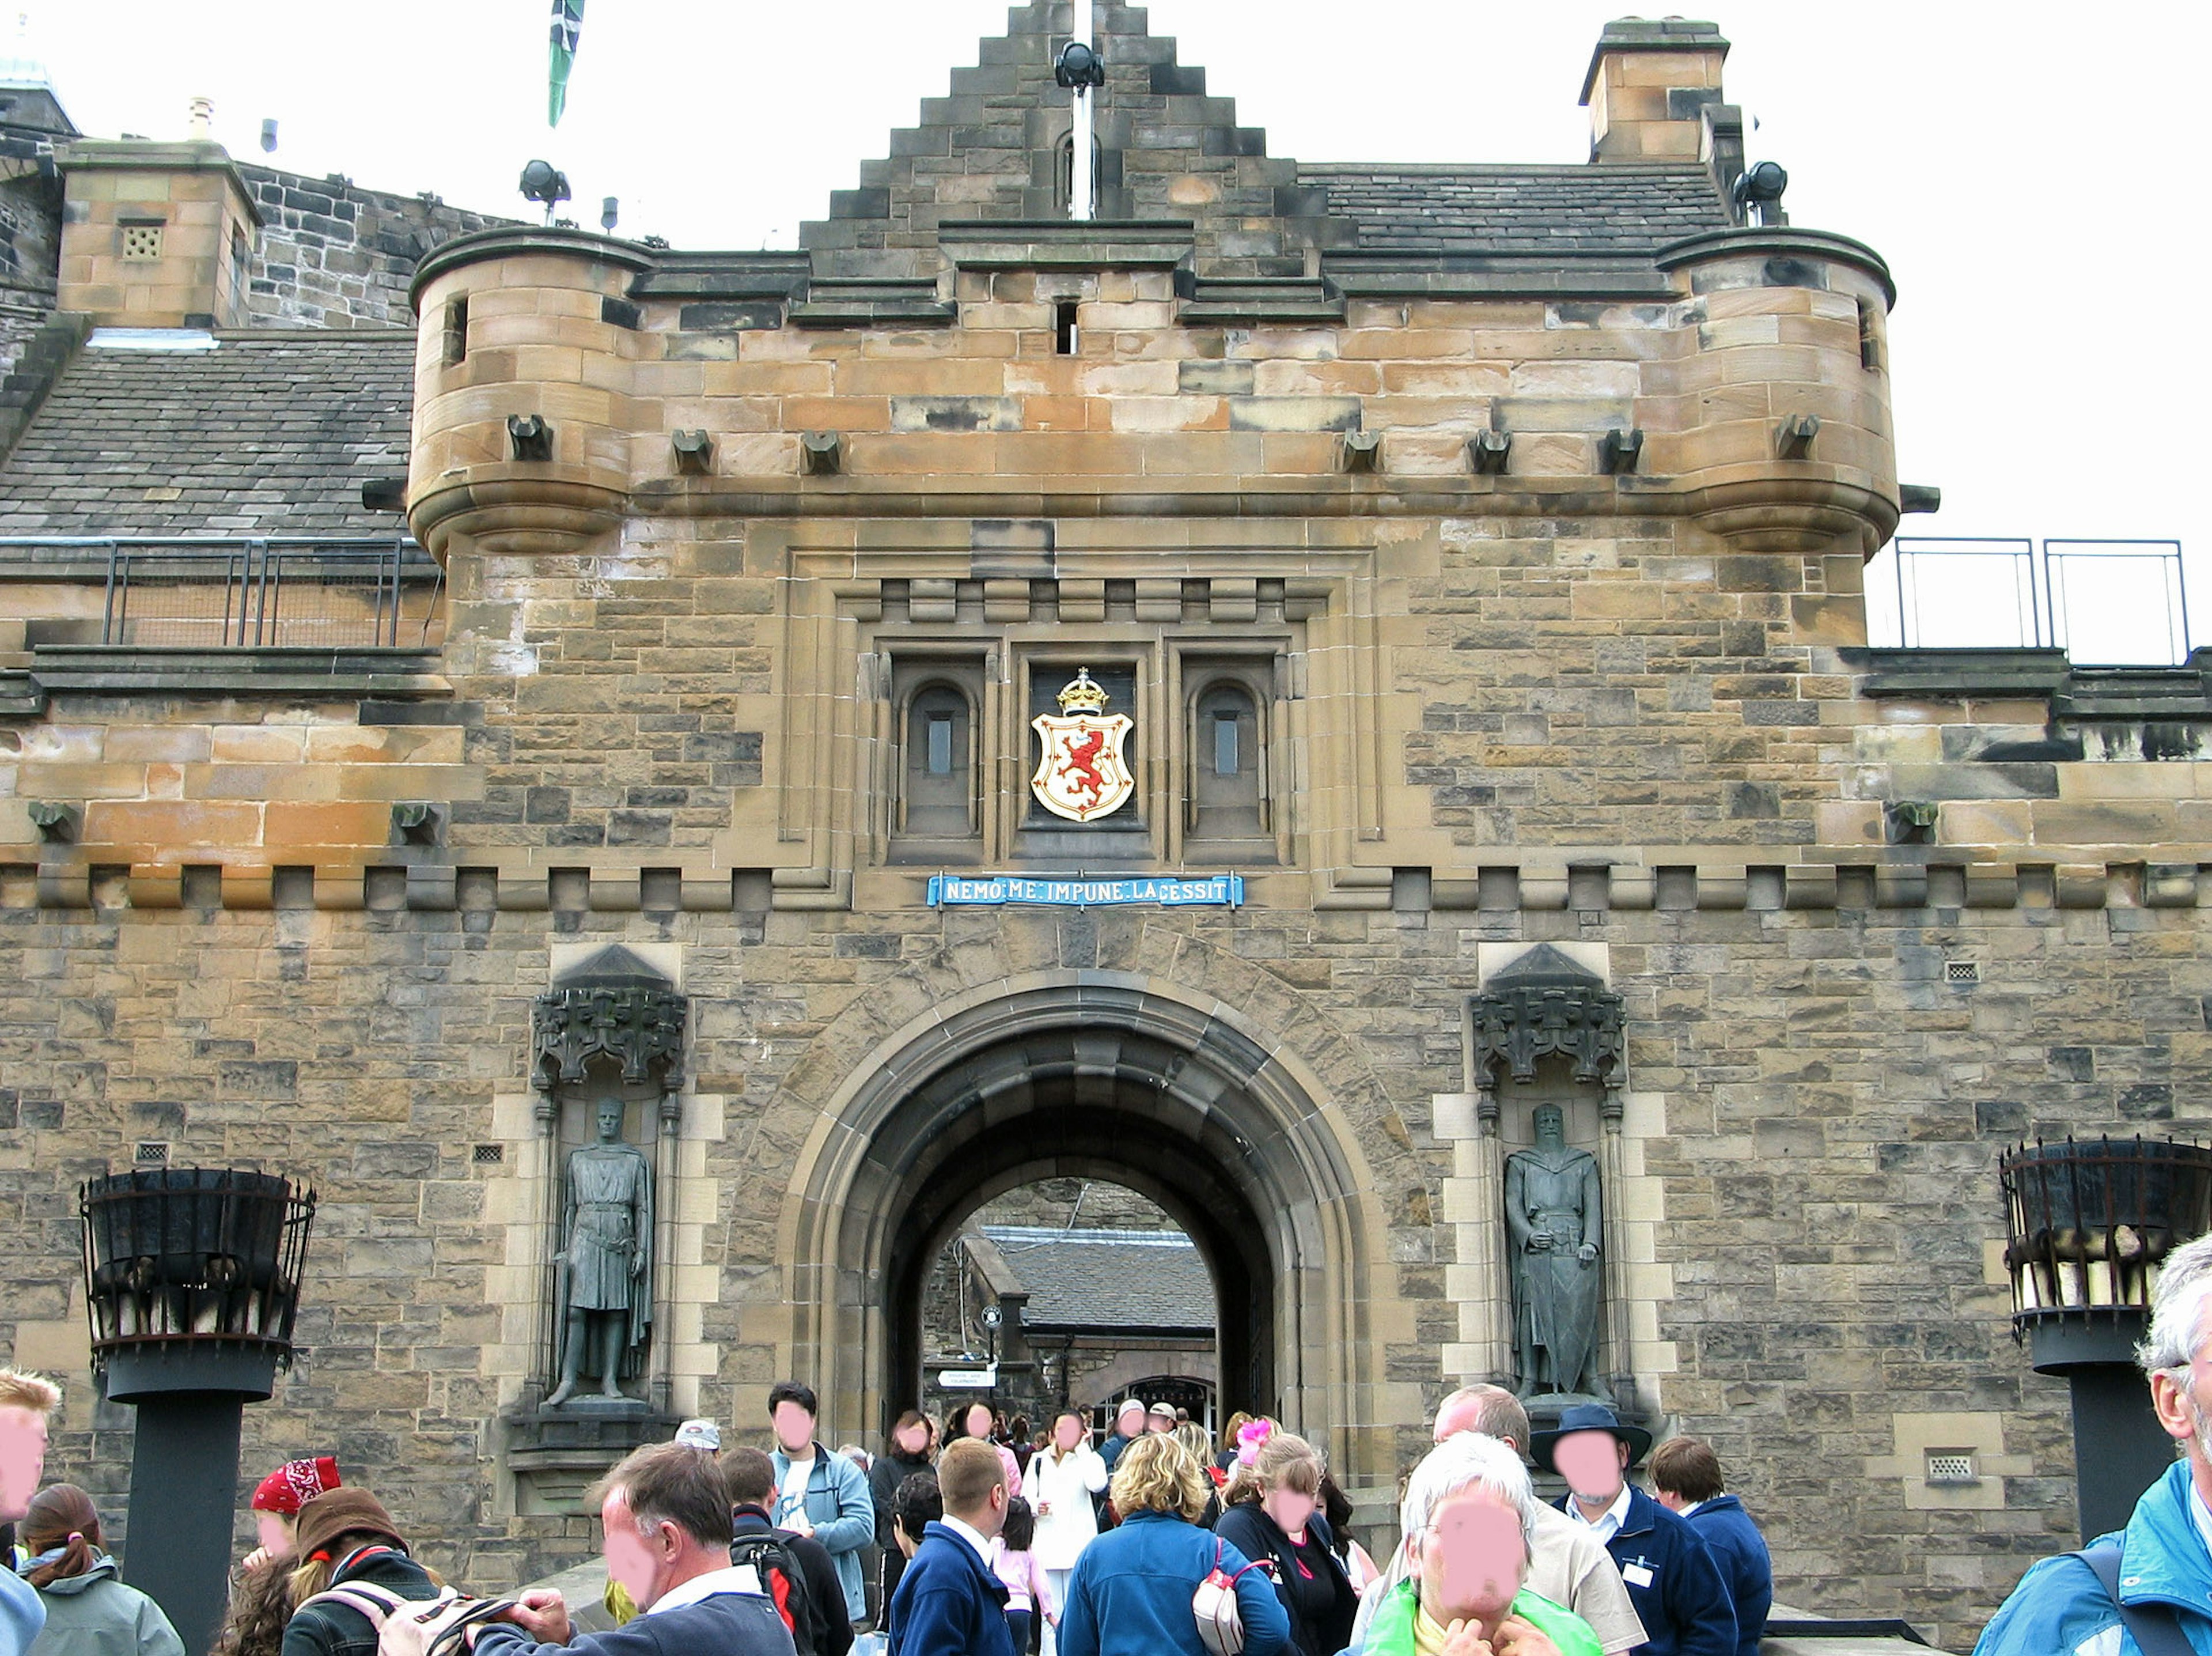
x=567, y=24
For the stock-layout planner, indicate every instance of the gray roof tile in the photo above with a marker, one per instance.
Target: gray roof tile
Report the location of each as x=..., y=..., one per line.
x=1609, y=209
x=275, y=432
x=1109, y=1279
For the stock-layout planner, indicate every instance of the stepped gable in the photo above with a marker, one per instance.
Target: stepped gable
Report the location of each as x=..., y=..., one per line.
x=1453, y=209
x=267, y=433
x=993, y=149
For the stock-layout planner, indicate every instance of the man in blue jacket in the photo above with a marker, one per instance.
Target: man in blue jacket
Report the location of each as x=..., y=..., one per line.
x=1686, y=1477
x=819, y=1494
x=950, y=1602
x=1670, y=1575
x=665, y=1518
x=2164, y=1572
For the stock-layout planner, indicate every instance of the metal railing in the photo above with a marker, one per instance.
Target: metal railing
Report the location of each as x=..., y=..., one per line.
x=2105, y=602
x=240, y=592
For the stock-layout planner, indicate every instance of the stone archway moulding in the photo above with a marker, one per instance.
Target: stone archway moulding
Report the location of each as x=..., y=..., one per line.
x=1297, y=1150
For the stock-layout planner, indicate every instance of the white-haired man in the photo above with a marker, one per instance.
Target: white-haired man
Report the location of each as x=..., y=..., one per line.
x=1567, y=1564
x=2163, y=1593
x=1469, y=1519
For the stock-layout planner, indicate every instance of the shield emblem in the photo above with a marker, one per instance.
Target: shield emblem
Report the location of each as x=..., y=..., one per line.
x=1081, y=774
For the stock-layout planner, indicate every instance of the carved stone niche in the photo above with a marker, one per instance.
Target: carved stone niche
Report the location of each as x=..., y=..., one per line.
x=610, y=1026
x=1541, y=1004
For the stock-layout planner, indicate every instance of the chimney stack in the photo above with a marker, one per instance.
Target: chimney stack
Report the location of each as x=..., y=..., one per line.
x=1649, y=86
x=199, y=124
x=154, y=235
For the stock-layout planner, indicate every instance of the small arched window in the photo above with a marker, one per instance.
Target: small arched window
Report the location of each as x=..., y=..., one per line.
x=938, y=798
x=1063, y=171
x=1227, y=790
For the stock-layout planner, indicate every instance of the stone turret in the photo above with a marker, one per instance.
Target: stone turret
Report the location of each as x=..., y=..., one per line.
x=1774, y=421
x=523, y=420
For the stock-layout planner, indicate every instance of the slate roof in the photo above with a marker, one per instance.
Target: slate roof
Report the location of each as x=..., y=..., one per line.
x=1610, y=209
x=266, y=434
x=1105, y=1279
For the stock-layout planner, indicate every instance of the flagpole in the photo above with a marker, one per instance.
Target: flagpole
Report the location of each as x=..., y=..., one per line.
x=1082, y=146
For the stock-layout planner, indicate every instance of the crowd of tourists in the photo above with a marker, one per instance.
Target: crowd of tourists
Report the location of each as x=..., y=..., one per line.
x=974, y=1536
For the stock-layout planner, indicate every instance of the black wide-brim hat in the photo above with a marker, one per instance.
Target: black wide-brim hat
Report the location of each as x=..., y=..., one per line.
x=1588, y=1417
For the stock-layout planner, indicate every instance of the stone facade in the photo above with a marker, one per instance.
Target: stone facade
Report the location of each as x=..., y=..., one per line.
x=1537, y=574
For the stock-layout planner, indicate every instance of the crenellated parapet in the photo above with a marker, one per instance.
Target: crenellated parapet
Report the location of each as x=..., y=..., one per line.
x=523, y=411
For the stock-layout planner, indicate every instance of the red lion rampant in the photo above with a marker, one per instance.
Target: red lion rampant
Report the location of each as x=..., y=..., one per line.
x=1082, y=752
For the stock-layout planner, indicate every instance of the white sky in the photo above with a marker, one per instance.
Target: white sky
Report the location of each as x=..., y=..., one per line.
x=2027, y=169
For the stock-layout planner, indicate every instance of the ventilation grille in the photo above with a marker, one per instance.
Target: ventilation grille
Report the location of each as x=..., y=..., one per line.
x=489, y=1155
x=142, y=241
x=1951, y=1466
x=1962, y=971
x=150, y=1153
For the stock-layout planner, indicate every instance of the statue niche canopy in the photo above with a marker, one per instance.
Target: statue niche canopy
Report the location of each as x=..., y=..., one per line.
x=1542, y=1022
x=607, y=1064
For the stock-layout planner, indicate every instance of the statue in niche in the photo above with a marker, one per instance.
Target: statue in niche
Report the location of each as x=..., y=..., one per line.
x=1553, y=1221
x=604, y=1272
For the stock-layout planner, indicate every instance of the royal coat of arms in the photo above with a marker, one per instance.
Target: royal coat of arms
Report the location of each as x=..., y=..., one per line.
x=1082, y=776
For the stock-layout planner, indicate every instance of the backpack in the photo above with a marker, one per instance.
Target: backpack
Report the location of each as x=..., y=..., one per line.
x=413, y=1627
x=776, y=1568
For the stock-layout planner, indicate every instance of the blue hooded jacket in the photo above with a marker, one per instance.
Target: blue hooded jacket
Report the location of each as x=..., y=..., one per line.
x=1740, y=1551
x=2059, y=1607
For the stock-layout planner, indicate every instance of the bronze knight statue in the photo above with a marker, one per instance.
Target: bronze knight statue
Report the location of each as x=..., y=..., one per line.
x=1552, y=1220
x=605, y=1261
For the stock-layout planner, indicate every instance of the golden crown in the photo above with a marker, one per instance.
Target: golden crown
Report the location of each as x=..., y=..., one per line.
x=1082, y=694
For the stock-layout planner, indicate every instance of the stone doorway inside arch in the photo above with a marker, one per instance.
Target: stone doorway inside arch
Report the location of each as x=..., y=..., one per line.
x=1069, y=1293
x=1100, y=1081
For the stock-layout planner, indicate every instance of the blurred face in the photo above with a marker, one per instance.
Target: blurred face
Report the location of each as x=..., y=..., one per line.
x=1066, y=1433
x=1592, y=1464
x=642, y=1563
x=1289, y=1507
x=794, y=1430
x=912, y=1439
x=976, y=1422
x=1471, y=1559
x=1159, y=1422
x=22, y=1459
x=274, y=1531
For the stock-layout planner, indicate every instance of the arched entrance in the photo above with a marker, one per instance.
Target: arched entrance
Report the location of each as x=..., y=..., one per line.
x=1094, y=1075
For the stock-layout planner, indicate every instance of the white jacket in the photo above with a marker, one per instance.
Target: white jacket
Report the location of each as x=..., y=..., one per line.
x=1064, y=1484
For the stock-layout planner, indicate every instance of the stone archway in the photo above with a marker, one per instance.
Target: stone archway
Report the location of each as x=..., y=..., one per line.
x=1101, y=1075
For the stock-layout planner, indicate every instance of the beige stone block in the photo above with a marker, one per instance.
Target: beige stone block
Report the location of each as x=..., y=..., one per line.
x=40, y=779
x=1178, y=413
x=1849, y=822
x=63, y=1346
x=1576, y=379
x=2127, y=780
x=1405, y=343
x=1984, y=822
x=1552, y=453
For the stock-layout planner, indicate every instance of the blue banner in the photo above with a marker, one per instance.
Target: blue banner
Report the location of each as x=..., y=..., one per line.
x=1163, y=891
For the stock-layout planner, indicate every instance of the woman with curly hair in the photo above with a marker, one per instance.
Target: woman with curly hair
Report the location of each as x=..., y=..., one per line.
x=89, y=1612
x=1130, y=1593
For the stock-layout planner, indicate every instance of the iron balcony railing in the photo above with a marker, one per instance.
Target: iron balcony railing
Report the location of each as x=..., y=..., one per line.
x=2105, y=603
x=240, y=592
